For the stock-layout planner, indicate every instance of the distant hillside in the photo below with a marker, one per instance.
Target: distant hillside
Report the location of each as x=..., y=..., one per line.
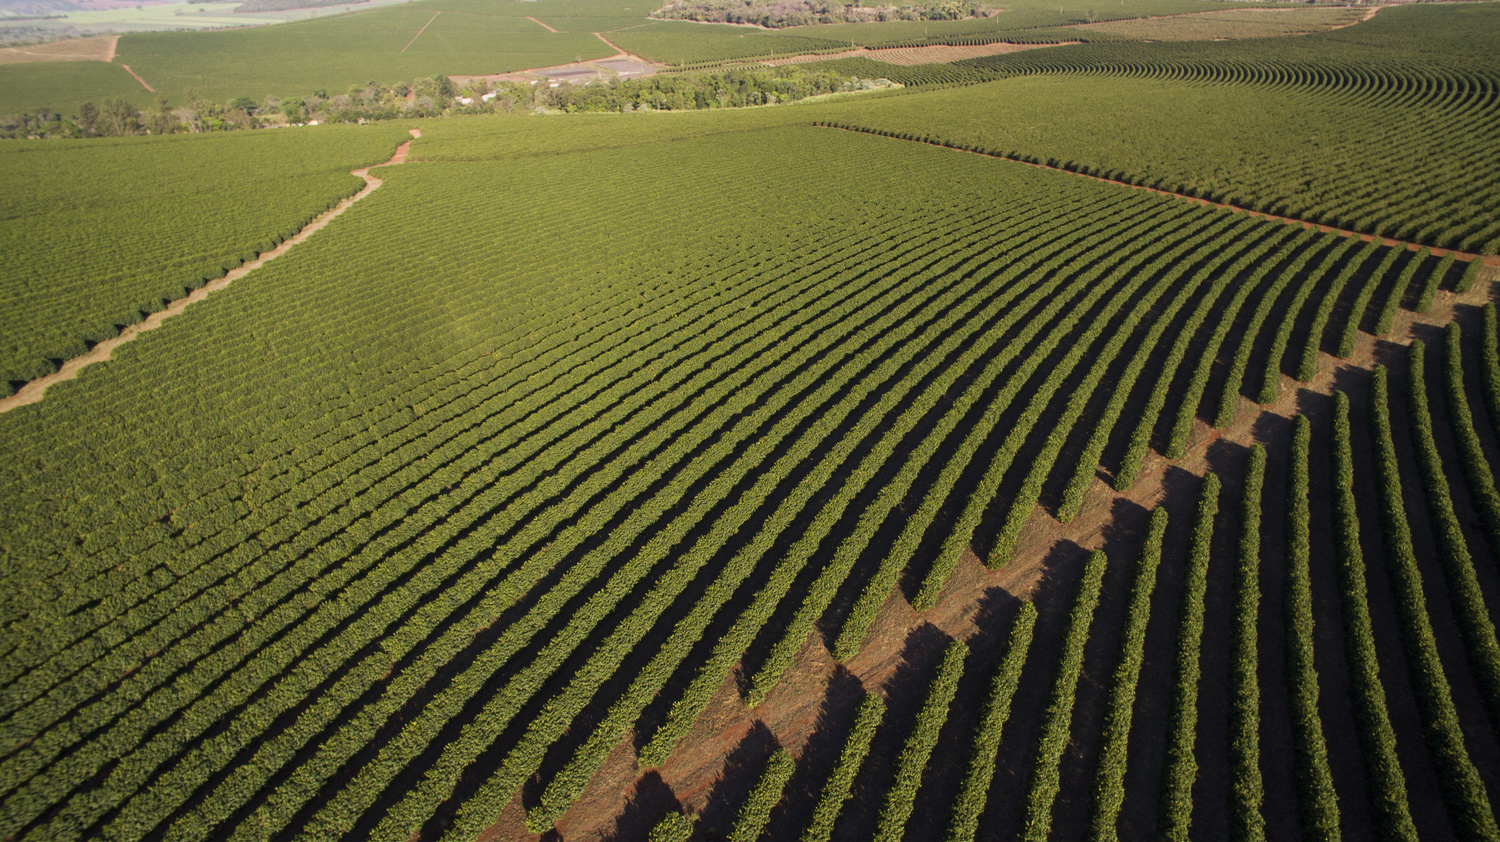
x=280, y=5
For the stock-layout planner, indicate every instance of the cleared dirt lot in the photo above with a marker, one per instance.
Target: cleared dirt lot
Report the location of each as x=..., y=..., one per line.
x=96, y=48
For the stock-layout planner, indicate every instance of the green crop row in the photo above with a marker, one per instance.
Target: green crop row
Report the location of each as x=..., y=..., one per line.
x=1270, y=384
x=1247, y=790
x=973, y=791
x=1182, y=425
x=763, y=797
x=1057, y=722
x=1181, y=770
x=1377, y=740
x=1464, y=593
x=732, y=645
x=1471, y=458
x=1140, y=436
x=840, y=783
x=1088, y=461
x=901, y=798
x=1458, y=779
x=1362, y=302
x=673, y=827
x=852, y=633
x=1308, y=366
x=1317, y=801
x=1489, y=365
x=1114, y=741
x=566, y=785
x=1229, y=398
x=1430, y=286
x=1387, y=317
x=1057, y=436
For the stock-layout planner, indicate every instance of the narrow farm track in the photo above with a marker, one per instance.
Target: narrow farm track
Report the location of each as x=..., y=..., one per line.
x=1488, y=260
x=137, y=76
x=790, y=713
x=424, y=29
x=32, y=392
x=545, y=26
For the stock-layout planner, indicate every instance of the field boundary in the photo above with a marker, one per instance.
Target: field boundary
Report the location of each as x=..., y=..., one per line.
x=1485, y=259
x=138, y=78
x=32, y=392
x=424, y=29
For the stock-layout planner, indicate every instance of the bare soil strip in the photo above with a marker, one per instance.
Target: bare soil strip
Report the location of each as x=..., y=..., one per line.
x=93, y=48
x=138, y=78
x=542, y=25
x=32, y=392
x=424, y=29
x=1486, y=259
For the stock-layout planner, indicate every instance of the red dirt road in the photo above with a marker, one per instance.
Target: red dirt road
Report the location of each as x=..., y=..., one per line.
x=137, y=76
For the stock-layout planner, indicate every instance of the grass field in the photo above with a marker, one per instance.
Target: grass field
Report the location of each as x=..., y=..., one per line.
x=775, y=472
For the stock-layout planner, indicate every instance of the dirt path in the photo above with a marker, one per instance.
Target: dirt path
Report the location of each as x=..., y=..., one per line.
x=545, y=26
x=32, y=392
x=423, y=29
x=114, y=42
x=612, y=45
x=1486, y=259
x=138, y=78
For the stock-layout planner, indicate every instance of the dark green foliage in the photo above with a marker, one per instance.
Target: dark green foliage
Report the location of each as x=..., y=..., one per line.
x=1362, y=301
x=1182, y=764
x=1475, y=466
x=673, y=827
x=1387, y=317
x=840, y=782
x=1316, y=800
x=1270, y=384
x=968, y=805
x=1247, y=792
x=1309, y=361
x=1377, y=741
x=1433, y=280
x=1489, y=366
x=1463, y=791
x=763, y=797
x=1109, y=779
x=1046, y=771
x=1469, y=276
x=901, y=798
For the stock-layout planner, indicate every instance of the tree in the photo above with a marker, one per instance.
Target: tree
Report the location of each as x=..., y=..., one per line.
x=161, y=120
x=118, y=118
x=88, y=115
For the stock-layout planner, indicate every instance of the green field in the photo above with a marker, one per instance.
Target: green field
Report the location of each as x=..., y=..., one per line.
x=99, y=233
x=785, y=472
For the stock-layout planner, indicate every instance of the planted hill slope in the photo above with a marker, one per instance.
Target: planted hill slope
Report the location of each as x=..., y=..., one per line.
x=332, y=53
x=419, y=515
x=1301, y=127
x=98, y=233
